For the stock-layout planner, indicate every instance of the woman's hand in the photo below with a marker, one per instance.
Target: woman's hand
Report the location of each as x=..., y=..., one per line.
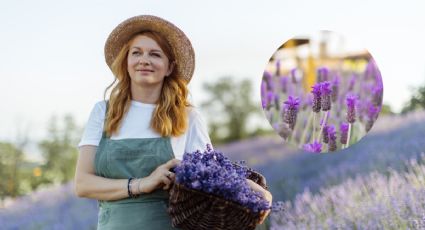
x=161, y=177
x=266, y=194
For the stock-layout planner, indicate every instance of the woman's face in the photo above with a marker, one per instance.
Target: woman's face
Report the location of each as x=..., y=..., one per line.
x=147, y=64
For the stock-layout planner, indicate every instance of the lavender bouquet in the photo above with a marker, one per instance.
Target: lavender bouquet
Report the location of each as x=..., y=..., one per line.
x=213, y=173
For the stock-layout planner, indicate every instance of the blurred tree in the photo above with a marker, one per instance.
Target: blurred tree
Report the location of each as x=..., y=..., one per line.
x=10, y=157
x=59, y=151
x=417, y=101
x=229, y=107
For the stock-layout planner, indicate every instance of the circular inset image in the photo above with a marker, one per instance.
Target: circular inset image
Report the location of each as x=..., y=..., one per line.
x=321, y=94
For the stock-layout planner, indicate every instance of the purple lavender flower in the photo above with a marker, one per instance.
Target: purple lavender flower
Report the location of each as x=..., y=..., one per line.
x=332, y=138
x=291, y=109
x=316, y=91
x=284, y=83
x=351, y=101
x=377, y=92
x=270, y=99
x=322, y=74
x=325, y=134
x=315, y=147
x=352, y=83
x=326, y=95
x=276, y=101
x=267, y=76
x=335, y=88
x=344, y=132
x=372, y=114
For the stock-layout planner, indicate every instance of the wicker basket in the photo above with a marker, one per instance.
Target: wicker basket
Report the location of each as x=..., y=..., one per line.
x=194, y=210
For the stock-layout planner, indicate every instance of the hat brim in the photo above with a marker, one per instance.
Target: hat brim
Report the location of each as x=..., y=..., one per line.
x=182, y=48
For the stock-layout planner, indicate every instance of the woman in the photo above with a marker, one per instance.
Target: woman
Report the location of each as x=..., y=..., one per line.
x=143, y=129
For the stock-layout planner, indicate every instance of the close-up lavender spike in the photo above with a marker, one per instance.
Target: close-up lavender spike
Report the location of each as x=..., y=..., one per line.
x=325, y=134
x=322, y=74
x=317, y=92
x=372, y=114
x=284, y=84
x=326, y=95
x=291, y=109
x=332, y=138
x=351, y=101
x=267, y=76
x=343, y=128
x=335, y=87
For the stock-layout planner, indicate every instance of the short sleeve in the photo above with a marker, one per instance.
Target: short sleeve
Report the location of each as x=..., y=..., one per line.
x=94, y=127
x=197, y=136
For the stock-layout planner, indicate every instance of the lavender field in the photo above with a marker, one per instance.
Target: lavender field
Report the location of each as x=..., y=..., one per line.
x=375, y=201
x=377, y=183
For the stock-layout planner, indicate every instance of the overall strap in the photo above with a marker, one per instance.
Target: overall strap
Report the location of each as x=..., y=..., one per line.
x=104, y=121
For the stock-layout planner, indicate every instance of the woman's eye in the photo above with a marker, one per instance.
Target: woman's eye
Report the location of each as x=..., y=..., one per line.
x=156, y=55
x=135, y=52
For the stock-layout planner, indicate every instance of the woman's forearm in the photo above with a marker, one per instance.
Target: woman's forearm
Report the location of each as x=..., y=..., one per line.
x=101, y=188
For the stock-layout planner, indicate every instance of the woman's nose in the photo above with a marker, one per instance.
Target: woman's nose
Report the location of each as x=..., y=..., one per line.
x=144, y=60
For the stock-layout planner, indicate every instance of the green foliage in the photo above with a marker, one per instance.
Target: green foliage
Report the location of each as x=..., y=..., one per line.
x=59, y=151
x=10, y=158
x=417, y=101
x=229, y=107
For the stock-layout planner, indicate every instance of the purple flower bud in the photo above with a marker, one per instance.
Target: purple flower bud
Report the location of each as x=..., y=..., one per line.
x=322, y=74
x=314, y=147
x=332, y=138
x=351, y=101
x=335, y=88
x=325, y=134
x=377, y=92
x=352, y=82
x=267, y=76
x=284, y=84
x=326, y=95
x=270, y=99
x=372, y=114
x=291, y=109
x=344, y=132
x=276, y=101
x=316, y=91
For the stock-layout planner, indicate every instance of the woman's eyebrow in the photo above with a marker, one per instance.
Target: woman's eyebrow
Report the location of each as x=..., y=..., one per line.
x=154, y=50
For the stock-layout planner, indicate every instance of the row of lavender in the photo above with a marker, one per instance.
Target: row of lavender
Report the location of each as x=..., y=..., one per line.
x=54, y=207
x=376, y=201
x=340, y=108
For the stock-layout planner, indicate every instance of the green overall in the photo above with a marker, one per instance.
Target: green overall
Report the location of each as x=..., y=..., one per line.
x=133, y=157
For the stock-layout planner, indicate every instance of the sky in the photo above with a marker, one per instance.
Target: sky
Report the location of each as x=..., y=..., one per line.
x=52, y=60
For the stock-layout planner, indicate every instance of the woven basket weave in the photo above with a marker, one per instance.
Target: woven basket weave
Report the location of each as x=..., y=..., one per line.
x=194, y=210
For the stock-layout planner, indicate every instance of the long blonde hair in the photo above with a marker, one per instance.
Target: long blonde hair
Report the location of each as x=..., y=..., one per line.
x=170, y=115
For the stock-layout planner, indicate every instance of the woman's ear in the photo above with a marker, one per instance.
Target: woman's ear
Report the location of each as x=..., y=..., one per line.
x=170, y=69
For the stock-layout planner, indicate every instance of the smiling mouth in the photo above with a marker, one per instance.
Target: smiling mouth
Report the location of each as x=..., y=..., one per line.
x=145, y=71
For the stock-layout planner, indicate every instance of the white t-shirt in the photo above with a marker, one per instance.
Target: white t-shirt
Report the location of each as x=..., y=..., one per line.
x=136, y=124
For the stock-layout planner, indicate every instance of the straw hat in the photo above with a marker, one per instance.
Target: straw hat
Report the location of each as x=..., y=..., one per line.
x=180, y=44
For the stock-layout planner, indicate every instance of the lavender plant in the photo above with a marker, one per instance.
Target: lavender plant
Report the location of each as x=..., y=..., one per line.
x=335, y=95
